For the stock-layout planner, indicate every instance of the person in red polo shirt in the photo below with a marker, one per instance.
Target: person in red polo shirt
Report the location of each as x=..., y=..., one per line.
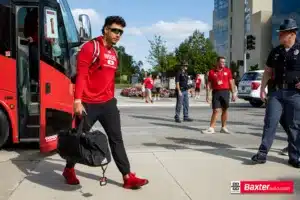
x=94, y=94
x=221, y=83
x=197, y=86
x=148, y=82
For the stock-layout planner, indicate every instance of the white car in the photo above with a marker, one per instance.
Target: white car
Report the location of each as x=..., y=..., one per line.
x=249, y=87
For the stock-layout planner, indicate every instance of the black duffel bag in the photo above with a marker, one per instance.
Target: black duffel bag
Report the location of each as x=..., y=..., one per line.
x=90, y=148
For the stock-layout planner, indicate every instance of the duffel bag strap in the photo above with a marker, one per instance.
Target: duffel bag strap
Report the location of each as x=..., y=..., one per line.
x=83, y=119
x=103, y=179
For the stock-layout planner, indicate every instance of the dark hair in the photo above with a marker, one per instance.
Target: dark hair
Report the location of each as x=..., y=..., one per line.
x=220, y=57
x=113, y=20
x=293, y=31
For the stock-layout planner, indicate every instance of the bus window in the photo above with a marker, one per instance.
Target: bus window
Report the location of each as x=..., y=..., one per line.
x=70, y=25
x=55, y=39
x=4, y=27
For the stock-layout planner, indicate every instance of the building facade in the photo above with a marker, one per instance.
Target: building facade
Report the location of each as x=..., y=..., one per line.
x=283, y=10
x=261, y=28
x=236, y=30
x=247, y=17
x=233, y=20
x=220, y=27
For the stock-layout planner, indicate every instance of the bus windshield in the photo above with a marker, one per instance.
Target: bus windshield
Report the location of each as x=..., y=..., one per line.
x=69, y=23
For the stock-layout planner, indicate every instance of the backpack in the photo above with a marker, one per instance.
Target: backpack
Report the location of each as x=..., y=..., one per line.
x=96, y=53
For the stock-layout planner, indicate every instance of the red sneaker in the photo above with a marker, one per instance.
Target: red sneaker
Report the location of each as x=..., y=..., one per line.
x=133, y=182
x=70, y=176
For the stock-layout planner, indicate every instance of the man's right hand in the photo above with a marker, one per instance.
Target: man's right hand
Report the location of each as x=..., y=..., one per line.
x=30, y=40
x=180, y=93
x=263, y=95
x=78, y=108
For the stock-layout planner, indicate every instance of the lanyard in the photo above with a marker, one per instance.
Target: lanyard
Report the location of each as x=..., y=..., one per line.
x=220, y=74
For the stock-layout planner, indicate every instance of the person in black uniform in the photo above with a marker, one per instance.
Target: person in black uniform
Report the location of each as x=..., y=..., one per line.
x=272, y=88
x=267, y=139
x=182, y=94
x=284, y=63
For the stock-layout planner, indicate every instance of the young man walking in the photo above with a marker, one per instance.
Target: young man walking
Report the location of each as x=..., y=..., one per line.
x=220, y=81
x=94, y=94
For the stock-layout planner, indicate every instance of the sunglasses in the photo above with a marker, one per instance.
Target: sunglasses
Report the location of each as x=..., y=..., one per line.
x=117, y=31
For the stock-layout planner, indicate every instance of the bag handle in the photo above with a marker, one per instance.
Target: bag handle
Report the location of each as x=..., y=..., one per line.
x=84, y=119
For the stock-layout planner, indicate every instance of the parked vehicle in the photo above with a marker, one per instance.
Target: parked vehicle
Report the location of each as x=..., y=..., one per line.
x=249, y=87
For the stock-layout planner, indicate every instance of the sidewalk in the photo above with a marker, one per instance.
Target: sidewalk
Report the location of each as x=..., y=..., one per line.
x=189, y=173
x=164, y=102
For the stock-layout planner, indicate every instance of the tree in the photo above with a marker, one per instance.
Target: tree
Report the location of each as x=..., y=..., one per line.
x=158, y=54
x=198, y=52
x=254, y=67
x=172, y=61
x=127, y=65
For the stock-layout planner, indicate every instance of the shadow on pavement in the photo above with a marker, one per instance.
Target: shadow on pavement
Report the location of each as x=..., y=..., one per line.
x=21, y=147
x=279, y=129
x=260, y=135
x=176, y=126
x=240, y=123
x=274, y=150
x=221, y=149
x=50, y=174
x=256, y=114
x=152, y=118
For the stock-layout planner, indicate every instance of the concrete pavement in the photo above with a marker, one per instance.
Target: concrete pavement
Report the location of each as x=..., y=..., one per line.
x=180, y=162
x=177, y=174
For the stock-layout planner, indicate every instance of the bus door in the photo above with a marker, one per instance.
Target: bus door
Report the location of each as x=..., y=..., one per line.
x=27, y=61
x=56, y=99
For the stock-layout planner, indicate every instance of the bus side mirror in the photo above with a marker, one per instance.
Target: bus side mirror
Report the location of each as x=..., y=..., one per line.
x=85, y=29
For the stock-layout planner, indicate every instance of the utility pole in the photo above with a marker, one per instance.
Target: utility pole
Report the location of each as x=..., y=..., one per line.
x=245, y=54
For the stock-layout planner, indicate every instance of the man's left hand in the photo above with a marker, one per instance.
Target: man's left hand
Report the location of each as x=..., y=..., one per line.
x=298, y=85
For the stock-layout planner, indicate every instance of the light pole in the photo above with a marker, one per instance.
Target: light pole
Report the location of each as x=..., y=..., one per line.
x=245, y=54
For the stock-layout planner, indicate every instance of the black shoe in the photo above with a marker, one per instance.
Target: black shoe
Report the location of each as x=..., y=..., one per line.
x=188, y=120
x=177, y=121
x=285, y=151
x=295, y=164
x=259, y=158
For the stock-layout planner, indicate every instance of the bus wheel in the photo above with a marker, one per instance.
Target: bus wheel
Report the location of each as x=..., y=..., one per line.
x=4, y=128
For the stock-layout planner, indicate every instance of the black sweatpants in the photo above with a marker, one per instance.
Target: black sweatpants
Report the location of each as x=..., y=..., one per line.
x=109, y=117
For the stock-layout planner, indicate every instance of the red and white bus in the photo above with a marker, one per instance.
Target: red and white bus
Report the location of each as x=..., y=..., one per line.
x=37, y=41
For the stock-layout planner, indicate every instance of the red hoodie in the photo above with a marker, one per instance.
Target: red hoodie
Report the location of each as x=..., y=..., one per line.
x=96, y=83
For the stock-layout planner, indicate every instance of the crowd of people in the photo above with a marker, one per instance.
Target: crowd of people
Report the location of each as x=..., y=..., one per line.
x=151, y=87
